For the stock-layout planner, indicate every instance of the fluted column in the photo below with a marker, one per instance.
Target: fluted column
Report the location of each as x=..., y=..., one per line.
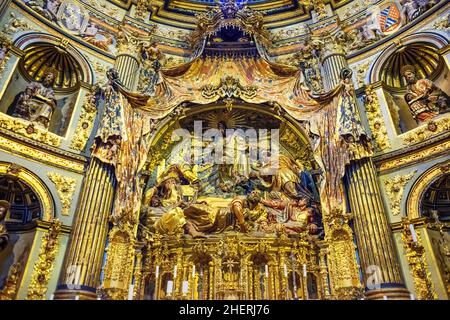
x=333, y=60
x=381, y=271
x=4, y=6
x=128, y=66
x=82, y=266
x=332, y=66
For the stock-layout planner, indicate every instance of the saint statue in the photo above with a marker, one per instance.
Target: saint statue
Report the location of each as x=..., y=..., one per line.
x=37, y=102
x=194, y=217
x=4, y=237
x=300, y=216
x=250, y=212
x=424, y=98
x=284, y=178
x=149, y=77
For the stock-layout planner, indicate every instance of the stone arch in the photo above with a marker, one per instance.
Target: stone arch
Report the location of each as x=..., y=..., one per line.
x=36, y=184
x=421, y=185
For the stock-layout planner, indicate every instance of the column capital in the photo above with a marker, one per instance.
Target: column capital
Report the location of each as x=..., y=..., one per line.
x=331, y=44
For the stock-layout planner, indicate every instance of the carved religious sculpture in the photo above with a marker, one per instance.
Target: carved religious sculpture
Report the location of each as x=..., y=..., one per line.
x=299, y=216
x=37, y=102
x=424, y=98
x=4, y=237
x=151, y=63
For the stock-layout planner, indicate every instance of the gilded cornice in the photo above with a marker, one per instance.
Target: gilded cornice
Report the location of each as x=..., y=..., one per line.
x=39, y=152
x=45, y=226
x=414, y=154
x=417, y=222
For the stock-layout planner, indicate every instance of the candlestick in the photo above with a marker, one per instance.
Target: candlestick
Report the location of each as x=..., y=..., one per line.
x=130, y=292
x=185, y=287
x=193, y=271
x=304, y=270
x=413, y=232
x=169, y=289
x=285, y=270
x=175, y=271
x=266, y=270
x=157, y=272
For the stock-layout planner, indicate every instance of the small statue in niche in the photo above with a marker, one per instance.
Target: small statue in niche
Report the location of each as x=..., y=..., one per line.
x=37, y=102
x=424, y=98
x=4, y=237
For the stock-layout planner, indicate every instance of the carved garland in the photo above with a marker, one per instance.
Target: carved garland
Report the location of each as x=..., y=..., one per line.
x=375, y=119
x=394, y=188
x=27, y=129
x=227, y=88
x=415, y=254
x=65, y=187
x=85, y=122
x=45, y=262
x=432, y=128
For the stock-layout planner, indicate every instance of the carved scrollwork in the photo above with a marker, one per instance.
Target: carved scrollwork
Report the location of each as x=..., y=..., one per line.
x=66, y=188
x=415, y=254
x=394, y=188
x=85, y=122
x=375, y=119
x=43, y=267
x=227, y=88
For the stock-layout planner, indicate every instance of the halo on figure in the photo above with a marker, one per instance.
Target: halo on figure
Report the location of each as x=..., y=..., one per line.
x=406, y=68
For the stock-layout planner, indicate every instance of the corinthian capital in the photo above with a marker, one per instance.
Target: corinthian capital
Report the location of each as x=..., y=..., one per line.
x=331, y=44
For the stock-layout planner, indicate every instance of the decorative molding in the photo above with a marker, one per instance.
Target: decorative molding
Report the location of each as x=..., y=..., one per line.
x=41, y=155
x=416, y=156
x=11, y=282
x=430, y=129
x=34, y=182
x=85, y=122
x=27, y=129
x=394, y=188
x=375, y=119
x=415, y=254
x=227, y=88
x=417, y=190
x=44, y=265
x=66, y=188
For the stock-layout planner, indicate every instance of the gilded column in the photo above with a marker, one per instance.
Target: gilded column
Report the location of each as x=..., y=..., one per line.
x=82, y=266
x=333, y=60
x=4, y=6
x=128, y=67
x=127, y=62
x=381, y=272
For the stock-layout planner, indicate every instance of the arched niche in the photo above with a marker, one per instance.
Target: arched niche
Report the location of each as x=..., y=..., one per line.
x=47, y=207
x=31, y=38
x=30, y=201
x=294, y=141
x=420, y=187
x=422, y=51
x=50, y=109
